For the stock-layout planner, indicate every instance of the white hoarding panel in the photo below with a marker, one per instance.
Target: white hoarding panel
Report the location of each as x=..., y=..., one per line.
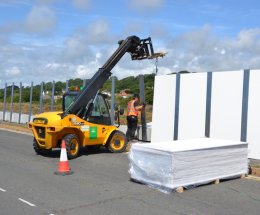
x=253, y=125
x=226, y=105
x=192, y=111
x=163, y=108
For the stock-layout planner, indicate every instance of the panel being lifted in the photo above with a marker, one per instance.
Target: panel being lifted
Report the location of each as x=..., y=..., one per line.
x=169, y=165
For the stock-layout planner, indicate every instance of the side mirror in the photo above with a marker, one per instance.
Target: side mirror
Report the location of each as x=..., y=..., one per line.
x=121, y=111
x=116, y=108
x=116, y=116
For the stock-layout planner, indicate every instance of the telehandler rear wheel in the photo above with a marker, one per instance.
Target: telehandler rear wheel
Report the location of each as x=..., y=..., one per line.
x=40, y=150
x=116, y=142
x=72, y=145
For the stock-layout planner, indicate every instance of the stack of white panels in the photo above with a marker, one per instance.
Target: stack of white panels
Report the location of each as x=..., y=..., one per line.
x=169, y=165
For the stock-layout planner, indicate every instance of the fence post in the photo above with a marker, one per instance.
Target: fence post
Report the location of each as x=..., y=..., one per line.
x=112, y=100
x=40, y=110
x=4, y=102
x=177, y=104
x=208, y=104
x=52, y=96
x=30, y=108
x=142, y=101
x=84, y=83
x=67, y=85
x=11, y=110
x=245, y=106
x=20, y=104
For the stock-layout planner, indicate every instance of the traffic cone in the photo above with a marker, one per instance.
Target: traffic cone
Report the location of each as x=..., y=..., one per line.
x=64, y=165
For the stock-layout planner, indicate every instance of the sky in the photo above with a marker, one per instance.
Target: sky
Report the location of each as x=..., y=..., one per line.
x=46, y=40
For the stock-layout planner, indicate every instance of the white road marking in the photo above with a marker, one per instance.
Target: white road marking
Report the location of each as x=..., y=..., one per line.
x=2, y=190
x=27, y=202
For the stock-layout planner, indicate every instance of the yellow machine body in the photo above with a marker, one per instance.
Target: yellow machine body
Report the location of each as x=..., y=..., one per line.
x=48, y=129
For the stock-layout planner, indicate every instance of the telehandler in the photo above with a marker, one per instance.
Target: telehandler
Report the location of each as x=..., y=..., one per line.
x=85, y=120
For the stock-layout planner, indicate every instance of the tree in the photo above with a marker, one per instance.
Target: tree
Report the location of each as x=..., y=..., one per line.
x=36, y=96
x=26, y=96
x=149, y=96
x=16, y=98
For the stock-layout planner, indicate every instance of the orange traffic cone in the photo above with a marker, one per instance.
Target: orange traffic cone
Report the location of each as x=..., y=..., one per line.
x=64, y=165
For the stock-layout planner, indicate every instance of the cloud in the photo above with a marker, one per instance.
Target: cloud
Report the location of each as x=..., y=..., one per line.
x=10, y=51
x=158, y=31
x=46, y=2
x=78, y=45
x=200, y=51
x=4, y=40
x=13, y=71
x=82, y=4
x=40, y=19
x=10, y=3
x=146, y=5
x=89, y=47
x=76, y=49
x=131, y=28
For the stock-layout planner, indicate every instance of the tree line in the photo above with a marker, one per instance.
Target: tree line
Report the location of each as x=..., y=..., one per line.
x=131, y=83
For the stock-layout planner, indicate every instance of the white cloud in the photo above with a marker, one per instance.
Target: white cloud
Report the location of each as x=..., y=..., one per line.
x=46, y=2
x=98, y=32
x=200, y=51
x=78, y=45
x=10, y=3
x=146, y=5
x=88, y=48
x=11, y=51
x=4, y=40
x=40, y=19
x=76, y=49
x=82, y=4
x=13, y=71
x=131, y=28
x=158, y=31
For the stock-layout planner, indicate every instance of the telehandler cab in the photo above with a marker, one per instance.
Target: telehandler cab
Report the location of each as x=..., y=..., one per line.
x=85, y=120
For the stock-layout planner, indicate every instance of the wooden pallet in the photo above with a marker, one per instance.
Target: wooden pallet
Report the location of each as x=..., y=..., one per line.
x=180, y=189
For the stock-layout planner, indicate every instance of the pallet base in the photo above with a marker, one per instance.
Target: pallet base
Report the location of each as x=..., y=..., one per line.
x=216, y=181
x=180, y=190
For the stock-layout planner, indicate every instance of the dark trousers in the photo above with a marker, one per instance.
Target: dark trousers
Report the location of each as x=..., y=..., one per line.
x=131, y=127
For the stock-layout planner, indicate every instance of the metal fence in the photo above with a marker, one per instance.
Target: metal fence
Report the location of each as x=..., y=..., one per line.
x=4, y=115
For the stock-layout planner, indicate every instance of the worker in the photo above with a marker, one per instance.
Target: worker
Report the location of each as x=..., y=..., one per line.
x=132, y=118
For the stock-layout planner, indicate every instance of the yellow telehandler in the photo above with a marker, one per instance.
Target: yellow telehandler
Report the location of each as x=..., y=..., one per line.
x=85, y=119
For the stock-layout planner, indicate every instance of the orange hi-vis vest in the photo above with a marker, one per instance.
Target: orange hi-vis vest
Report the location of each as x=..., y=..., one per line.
x=131, y=111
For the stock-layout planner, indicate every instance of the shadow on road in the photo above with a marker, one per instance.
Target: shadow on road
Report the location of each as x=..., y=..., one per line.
x=83, y=151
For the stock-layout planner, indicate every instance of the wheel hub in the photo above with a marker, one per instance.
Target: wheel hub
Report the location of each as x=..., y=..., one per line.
x=117, y=142
x=73, y=146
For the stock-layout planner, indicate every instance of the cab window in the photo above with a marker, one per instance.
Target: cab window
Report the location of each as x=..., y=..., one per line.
x=100, y=113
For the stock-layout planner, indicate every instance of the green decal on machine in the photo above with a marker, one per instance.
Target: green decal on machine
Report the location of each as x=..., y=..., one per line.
x=93, y=132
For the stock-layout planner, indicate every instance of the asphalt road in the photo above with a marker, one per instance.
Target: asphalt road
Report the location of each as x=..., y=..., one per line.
x=101, y=185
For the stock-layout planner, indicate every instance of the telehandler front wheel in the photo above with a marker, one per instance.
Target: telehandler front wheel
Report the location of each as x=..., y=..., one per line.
x=72, y=145
x=40, y=150
x=116, y=142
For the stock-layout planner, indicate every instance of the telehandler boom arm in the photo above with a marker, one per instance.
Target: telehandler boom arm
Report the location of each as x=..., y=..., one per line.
x=138, y=50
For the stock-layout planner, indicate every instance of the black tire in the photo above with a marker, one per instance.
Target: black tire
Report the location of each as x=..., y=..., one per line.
x=40, y=150
x=72, y=145
x=94, y=147
x=112, y=143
